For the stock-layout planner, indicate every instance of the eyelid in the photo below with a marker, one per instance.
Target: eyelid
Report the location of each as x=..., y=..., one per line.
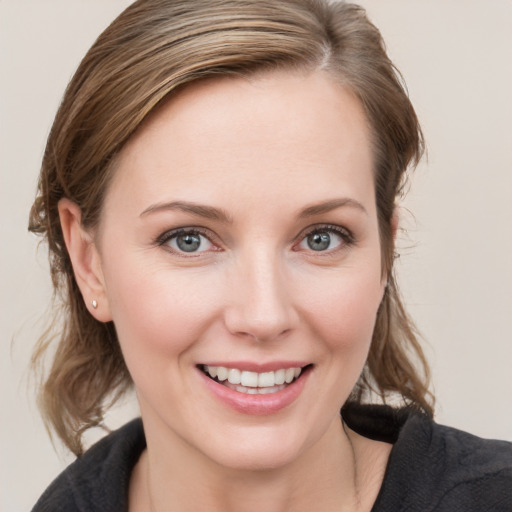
x=164, y=238
x=343, y=232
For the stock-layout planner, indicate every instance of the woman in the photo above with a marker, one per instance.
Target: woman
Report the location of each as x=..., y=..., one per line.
x=218, y=194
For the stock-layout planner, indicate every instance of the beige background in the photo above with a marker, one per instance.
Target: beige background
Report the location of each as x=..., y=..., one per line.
x=456, y=264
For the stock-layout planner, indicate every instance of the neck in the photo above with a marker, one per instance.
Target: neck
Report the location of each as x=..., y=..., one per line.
x=326, y=476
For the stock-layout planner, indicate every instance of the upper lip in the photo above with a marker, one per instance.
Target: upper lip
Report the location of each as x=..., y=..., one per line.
x=257, y=367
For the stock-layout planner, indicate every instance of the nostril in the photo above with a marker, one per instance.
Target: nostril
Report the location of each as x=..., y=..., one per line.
x=262, y=334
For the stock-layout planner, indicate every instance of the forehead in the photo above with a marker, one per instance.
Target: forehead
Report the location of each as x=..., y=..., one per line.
x=275, y=134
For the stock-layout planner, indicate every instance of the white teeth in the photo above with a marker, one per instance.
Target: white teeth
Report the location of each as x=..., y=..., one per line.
x=265, y=382
x=254, y=391
x=222, y=373
x=212, y=371
x=249, y=379
x=234, y=376
x=279, y=377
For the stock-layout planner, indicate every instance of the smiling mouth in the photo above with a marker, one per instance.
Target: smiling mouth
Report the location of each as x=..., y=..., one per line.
x=253, y=383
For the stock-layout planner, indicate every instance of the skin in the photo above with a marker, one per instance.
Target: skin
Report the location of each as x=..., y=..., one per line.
x=262, y=151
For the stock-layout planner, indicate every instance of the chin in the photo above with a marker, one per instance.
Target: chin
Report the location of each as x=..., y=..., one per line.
x=257, y=459
x=262, y=449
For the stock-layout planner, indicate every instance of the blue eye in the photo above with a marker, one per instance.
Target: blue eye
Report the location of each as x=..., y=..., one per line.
x=188, y=242
x=324, y=239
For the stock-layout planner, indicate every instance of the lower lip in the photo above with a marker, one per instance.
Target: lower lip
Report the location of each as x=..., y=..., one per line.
x=257, y=405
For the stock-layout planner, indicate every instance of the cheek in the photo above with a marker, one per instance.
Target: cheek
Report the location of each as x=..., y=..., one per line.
x=341, y=317
x=343, y=310
x=156, y=311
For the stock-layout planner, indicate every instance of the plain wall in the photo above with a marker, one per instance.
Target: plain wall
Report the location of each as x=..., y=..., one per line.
x=456, y=264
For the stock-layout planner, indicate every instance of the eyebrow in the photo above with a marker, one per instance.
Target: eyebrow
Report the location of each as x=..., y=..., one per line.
x=218, y=214
x=207, y=212
x=332, y=204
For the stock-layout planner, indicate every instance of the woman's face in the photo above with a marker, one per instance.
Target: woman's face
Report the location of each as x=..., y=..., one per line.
x=239, y=238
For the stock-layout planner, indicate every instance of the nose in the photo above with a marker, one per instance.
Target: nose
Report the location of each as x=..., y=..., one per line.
x=260, y=306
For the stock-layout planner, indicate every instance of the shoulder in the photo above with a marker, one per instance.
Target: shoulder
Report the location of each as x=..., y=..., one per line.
x=438, y=468
x=97, y=480
x=454, y=470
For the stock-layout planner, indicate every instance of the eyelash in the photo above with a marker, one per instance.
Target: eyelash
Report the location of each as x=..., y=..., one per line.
x=345, y=234
x=166, y=237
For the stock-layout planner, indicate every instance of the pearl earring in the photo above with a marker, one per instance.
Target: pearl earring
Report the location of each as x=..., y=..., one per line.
x=94, y=303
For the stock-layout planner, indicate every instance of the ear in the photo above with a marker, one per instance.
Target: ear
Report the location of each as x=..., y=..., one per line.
x=86, y=261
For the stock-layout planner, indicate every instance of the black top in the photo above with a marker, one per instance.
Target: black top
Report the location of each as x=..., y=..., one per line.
x=432, y=468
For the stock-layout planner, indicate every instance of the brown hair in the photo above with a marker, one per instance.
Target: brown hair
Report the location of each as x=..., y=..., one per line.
x=152, y=49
